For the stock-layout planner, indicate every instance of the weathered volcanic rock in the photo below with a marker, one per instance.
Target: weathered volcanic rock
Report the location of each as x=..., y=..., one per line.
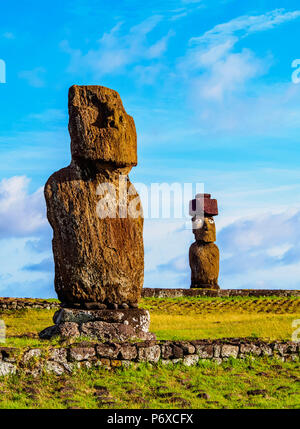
x=205, y=233
x=204, y=263
x=103, y=325
x=204, y=254
x=137, y=318
x=100, y=128
x=97, y=258
x=105, y=331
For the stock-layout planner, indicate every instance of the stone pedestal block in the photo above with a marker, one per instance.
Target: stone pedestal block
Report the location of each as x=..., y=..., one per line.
x=103, y=325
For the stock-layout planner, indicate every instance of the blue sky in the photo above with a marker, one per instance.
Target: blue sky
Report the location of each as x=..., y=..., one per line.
x=209, y=86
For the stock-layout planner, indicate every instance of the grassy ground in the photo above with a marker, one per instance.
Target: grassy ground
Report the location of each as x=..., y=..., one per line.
x=183, y=318
x=204, y=305
x=261, y=383
x=227, y=325
x=194, y=318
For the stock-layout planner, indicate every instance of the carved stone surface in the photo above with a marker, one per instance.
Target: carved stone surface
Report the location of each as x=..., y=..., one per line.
x=105, y=331
x=137, y=318
x=204, y=262
x=97, y=259
x=204, y=230
x=103, y=325
x=100, y=128
x=109, y=354
x=204, y=253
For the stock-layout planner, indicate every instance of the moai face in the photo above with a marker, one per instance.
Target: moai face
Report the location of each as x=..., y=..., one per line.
x=100, y=128
x=204, y=229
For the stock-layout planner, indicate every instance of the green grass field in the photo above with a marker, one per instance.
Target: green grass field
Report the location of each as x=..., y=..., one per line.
x=195, y=318
x=183, y=319
x=260, y=383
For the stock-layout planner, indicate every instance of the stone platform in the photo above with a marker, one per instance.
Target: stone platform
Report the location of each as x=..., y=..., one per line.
x=67, y=359
x=174, y=293
x=103, y=325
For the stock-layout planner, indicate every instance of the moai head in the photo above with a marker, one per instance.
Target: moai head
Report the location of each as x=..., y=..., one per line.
x=100, y=129
x=203, y=208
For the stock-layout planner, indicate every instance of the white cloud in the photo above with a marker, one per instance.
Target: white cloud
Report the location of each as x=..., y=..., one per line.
x=262, y=232
x=162, y=241
x=262, y=252
x=34, y=77
x=45, y=265
x=25, y=241
x=147, y=75
x=179, y=15
x=228, y=75
x=246, y=25
x=277, y=277
x=21, y=213
x=118, y=49
x=22, y=152
x=266, y=111
x=224, y=79
x=180, y=264
x=17, y=281
x=9, y=35
x=258, y=252
x=159, y=47
x=49, y=115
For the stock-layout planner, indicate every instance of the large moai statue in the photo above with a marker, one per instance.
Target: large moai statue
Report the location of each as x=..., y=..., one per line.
x=97, y=237
x=204, y=253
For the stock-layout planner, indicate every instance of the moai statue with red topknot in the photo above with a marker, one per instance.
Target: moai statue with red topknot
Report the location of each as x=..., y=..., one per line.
x=204, y=253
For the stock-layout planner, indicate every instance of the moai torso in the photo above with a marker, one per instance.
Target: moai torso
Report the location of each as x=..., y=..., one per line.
x=204, y=253
x=97, y=259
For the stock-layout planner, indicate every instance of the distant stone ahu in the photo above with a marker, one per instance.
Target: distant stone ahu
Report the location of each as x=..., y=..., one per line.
x=204, y=253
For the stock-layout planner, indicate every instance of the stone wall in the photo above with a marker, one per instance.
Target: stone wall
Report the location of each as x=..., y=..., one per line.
x=20, y=303
x=113, y=355
x=173, y=293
